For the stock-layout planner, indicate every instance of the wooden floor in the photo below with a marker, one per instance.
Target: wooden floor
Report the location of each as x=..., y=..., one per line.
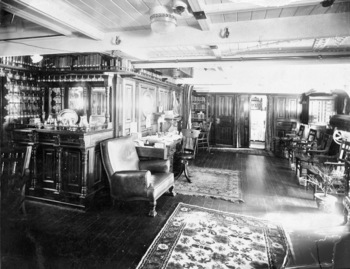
x=106, y=237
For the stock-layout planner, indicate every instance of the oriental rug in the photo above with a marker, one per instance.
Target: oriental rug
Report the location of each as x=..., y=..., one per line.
x=197, y=237
x=209, y=182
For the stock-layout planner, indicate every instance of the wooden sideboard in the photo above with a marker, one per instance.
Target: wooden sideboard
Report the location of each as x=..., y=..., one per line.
x=66, y=166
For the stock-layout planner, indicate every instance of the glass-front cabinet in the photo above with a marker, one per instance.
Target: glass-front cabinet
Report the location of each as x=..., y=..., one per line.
x=82, y=106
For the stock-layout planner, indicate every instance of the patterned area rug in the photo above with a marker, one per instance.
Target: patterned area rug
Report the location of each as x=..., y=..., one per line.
x=216, y=183
x=197, y=237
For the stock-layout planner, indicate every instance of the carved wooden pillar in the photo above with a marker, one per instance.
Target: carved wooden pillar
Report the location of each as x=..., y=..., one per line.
x=34, y=139
x=84, y=172
x=58, y=170
x=107, y=105
x=85, y=98
x=59, y=165
x=35, y=171
x=108, y=86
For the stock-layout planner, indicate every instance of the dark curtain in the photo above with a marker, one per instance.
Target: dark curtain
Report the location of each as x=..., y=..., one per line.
x=187, y=101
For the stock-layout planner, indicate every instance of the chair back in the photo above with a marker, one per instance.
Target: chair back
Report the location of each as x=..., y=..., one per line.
x=300, y=133
x=312, y=135
x=344, y=150
x=15, y=161
x=119, y=154
x=207, y=127
x=189, y=140
x=14, y=174
x=326, y=142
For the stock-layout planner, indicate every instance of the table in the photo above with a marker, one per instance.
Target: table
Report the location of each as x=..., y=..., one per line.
x=170, y=145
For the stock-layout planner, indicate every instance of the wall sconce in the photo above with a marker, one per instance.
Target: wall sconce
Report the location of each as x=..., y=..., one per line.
x=225, y=33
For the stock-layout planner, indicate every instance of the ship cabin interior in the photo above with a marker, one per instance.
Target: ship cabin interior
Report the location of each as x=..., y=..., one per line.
x=112, y=113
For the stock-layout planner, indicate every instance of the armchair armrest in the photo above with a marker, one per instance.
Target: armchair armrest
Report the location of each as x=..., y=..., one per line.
x=131, y=183
x=155, y=166
x=316, y=151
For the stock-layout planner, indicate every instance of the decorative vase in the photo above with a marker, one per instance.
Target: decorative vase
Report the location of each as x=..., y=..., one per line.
x=325, y=202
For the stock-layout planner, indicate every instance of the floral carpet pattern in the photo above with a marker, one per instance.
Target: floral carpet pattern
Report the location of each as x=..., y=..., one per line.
x=216, y=183
x=197, y=237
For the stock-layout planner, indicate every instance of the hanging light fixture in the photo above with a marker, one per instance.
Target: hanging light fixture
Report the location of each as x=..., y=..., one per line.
x=36, y=58
x=163, y=20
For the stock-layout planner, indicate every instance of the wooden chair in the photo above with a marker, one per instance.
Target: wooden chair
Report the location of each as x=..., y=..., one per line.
x=287, y=141
x=188, y=151
x=283, y=128
x=204, y=137
x=334, y=164
x=302, y=160
x=300, y=146
x=14, y=173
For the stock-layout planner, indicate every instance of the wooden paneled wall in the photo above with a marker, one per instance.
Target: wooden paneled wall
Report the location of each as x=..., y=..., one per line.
x=138, y=105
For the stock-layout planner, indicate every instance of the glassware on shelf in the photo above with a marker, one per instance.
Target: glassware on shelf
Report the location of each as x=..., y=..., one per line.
x=17, y=76
x=10, y=75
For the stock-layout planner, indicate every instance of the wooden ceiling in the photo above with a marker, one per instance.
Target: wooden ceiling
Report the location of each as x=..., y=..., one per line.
x=283, y=31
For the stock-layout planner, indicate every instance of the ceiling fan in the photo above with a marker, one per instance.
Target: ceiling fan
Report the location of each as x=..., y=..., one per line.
x=163, y=18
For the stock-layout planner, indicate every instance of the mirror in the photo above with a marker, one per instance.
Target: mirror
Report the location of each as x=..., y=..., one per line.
x=76, y=99
x=98, y=105
x=98, y=101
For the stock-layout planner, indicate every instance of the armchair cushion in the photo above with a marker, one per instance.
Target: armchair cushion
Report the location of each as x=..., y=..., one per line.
x=125, y=184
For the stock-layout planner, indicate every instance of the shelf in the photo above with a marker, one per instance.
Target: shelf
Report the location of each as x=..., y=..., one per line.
x=20, y=68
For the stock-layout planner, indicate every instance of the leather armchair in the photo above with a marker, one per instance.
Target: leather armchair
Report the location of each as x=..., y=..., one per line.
x=131, y=179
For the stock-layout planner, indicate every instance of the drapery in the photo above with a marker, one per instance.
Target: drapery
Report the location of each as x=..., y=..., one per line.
x=187, y=101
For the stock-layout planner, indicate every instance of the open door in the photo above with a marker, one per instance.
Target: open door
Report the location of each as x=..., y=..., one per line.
x=257, y=122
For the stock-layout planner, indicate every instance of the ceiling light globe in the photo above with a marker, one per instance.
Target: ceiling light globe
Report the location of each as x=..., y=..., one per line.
x=162, y=20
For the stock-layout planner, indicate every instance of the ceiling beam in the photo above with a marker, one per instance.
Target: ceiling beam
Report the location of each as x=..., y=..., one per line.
x=58, y=16
x=33, y=17
x=237, y=62
x=196, y=5
x=230, y=7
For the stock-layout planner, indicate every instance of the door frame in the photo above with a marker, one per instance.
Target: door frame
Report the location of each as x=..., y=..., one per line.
x=266, y=117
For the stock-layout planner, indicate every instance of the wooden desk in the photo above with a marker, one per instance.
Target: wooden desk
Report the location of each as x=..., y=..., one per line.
x=160, y=153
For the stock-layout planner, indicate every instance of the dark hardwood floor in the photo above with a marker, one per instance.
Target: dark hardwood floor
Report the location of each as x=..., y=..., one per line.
x=105, y=237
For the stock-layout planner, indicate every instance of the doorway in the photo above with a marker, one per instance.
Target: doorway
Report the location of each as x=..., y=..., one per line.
x=257, y=121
